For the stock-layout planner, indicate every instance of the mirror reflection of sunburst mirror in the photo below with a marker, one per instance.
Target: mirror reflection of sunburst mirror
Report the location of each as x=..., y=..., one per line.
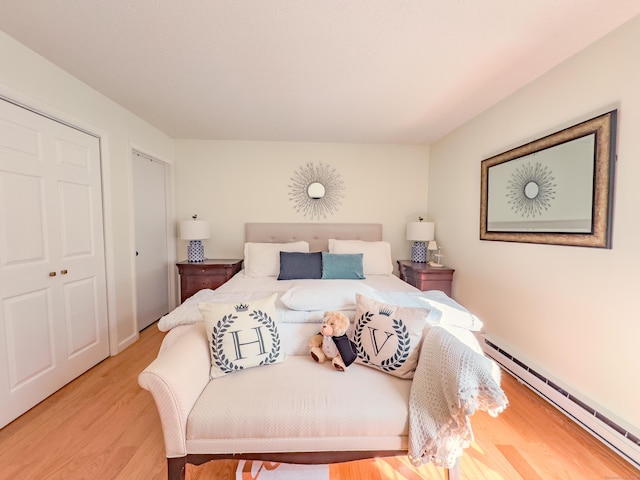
x=531, y=189
x=306, y=190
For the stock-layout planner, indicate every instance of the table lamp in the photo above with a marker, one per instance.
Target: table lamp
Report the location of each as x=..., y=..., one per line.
x=420, y=232
x=194, y=230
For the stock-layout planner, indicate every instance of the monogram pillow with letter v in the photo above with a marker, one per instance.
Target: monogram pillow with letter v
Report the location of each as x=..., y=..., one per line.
x=388, y=337
x=242, y=335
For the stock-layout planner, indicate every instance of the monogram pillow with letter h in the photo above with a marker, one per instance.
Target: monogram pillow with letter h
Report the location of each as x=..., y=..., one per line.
x=387, y=337
x=242, y=335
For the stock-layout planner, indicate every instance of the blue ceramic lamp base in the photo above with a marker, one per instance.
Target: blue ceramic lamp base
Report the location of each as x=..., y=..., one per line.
x=195, y=251
x=419, y=252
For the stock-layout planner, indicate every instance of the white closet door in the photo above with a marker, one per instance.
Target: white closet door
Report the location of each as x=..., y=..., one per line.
x=152, y=272
x=53, y=308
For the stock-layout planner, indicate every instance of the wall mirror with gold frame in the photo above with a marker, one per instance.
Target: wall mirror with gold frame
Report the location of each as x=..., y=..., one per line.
x=554, y=190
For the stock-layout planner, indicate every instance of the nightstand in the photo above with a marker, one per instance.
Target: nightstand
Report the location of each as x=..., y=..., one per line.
x=424, y=277
x=208, y=274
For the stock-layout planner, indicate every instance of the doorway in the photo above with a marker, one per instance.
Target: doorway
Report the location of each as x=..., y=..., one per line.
x=150, y=182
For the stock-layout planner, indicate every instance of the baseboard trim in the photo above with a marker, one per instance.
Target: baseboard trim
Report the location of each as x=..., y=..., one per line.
x=619, y=439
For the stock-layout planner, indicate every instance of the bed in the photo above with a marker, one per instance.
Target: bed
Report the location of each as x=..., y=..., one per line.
x=234, y=378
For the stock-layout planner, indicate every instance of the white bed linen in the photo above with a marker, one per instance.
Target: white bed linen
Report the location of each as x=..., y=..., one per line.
x=296, y=327
x=241, y=288
x=241, y=283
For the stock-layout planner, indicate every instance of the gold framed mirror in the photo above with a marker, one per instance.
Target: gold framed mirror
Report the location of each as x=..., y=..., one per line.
x=555, y=190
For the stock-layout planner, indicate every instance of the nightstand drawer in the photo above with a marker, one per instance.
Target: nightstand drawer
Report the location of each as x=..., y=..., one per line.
x=208, y=274
x=201, y=271
x=425, y=277
x=193, y=283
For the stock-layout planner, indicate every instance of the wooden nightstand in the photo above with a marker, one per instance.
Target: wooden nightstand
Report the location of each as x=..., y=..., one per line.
x=208, y=274
x=424, y=277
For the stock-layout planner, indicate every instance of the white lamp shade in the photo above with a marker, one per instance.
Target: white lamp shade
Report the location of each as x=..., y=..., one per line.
x=194, y=229
x=432, y=245
x=420, y=231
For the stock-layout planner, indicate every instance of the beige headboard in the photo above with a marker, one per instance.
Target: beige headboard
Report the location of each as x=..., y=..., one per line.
x=317, y=234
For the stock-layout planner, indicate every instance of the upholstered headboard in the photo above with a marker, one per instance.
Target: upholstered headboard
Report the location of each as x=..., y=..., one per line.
x=316, y=234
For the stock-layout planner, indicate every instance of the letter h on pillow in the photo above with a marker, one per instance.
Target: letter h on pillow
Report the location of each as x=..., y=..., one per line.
x=242, y=335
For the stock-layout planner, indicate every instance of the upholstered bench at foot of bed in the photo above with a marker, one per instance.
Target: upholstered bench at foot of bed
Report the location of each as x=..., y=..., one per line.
x=300, y=405
x=300, y=411
x=297, y=411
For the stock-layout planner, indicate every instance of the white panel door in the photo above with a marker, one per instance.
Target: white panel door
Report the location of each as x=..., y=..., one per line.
x=53, y=308
x=150, y=206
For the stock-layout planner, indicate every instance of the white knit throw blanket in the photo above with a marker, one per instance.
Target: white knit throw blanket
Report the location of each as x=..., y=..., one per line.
x=450, y=383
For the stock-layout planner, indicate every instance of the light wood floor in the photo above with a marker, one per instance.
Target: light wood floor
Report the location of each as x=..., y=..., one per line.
x=104, y=426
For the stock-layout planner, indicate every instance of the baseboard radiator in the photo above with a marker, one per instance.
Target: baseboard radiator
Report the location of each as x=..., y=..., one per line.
x=620, y=440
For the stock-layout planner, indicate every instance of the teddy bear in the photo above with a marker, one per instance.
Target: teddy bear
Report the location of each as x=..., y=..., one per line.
x=332, y=343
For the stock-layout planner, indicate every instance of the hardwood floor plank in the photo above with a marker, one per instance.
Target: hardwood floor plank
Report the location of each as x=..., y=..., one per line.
x=524, y=469
x=104, y=426
x=92, y=427
x=483, y=457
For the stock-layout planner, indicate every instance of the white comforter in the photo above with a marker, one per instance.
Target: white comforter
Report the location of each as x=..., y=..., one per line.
x=315, y=293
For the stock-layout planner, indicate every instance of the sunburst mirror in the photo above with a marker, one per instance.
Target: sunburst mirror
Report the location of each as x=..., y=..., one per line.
x=317, y=190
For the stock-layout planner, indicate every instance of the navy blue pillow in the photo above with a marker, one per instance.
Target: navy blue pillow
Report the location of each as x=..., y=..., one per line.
x=298, y=265
x=342, y=266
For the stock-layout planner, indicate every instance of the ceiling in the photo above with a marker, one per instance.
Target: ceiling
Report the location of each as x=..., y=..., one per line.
x=360, y=71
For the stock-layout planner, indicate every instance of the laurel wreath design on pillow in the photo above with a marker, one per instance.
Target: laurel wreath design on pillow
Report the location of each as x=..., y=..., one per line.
x=402, y=351
x=222, y=326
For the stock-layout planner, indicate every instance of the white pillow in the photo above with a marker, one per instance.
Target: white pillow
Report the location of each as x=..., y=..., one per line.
x=388, y=337
x=242, y=335
x=316, y=295
x=377, y=255
x=263, y=259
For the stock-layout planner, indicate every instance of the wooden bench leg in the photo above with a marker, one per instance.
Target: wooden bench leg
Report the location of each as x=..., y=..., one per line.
x=175, y=468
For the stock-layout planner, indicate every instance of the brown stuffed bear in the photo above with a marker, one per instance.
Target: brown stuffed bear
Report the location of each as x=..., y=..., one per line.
x=332, y=342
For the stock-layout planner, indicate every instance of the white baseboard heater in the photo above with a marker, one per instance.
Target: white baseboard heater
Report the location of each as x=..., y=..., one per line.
x=616, y=437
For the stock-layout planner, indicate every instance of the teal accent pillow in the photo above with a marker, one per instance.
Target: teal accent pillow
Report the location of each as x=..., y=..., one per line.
x=342, y=266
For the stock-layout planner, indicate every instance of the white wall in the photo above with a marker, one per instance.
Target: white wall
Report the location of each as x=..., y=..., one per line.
x=230, y=183
x=29, y=78
x=227, y=183
x=570, y=312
